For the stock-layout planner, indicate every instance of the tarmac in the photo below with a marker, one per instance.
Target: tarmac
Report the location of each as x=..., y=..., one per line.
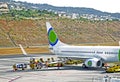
x=68, y=73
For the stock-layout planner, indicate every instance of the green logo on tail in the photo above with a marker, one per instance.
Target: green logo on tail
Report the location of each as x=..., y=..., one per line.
x=52, y=37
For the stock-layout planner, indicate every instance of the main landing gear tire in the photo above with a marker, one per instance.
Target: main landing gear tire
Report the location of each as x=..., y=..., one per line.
x=84, y=66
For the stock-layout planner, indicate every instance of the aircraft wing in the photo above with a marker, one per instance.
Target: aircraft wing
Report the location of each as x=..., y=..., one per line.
x=75, y=57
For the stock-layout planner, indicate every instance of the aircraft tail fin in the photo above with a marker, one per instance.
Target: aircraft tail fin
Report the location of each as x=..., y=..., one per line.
x=22, y=49
x=52, y=37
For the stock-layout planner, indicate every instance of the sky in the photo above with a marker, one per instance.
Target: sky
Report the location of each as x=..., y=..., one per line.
x=112, y=6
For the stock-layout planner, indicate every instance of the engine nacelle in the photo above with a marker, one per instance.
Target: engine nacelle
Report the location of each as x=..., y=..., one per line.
x=94, y=62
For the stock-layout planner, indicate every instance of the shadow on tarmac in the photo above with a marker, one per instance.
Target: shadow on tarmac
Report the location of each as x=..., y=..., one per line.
x=70, y=67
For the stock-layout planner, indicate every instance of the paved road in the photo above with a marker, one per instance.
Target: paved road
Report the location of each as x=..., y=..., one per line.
x=64, y=74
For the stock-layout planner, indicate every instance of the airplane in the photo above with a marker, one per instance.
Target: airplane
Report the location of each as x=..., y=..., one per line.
x=93, y=56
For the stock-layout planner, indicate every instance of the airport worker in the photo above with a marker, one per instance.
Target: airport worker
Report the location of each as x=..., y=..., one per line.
x=40, y=65
x=41, y=59
x=58, y=65
x=14, y=67
x=46, y=64
x=106, y=65
x=32, y=66
x=52, y=59
x=32, y=63
x=48, y=60
x=32, y=60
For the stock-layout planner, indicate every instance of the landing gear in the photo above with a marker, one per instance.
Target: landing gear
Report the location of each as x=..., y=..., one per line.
x=84, y=66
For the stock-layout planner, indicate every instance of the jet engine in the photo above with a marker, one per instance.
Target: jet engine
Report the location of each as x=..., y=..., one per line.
x=94, y=62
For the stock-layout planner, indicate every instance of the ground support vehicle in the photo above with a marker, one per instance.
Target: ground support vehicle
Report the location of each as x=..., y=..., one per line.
x=70, y=62
x=35, y=64
x=21, y=66
x=113, y=69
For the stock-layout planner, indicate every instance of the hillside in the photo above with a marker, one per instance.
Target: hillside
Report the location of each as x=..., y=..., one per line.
x=68, y=10
x=33, y=32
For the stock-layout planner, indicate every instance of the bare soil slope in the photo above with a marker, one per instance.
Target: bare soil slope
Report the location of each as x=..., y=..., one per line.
x=33, y=32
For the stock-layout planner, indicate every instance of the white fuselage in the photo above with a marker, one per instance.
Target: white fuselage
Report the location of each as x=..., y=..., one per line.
x=107, y=53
